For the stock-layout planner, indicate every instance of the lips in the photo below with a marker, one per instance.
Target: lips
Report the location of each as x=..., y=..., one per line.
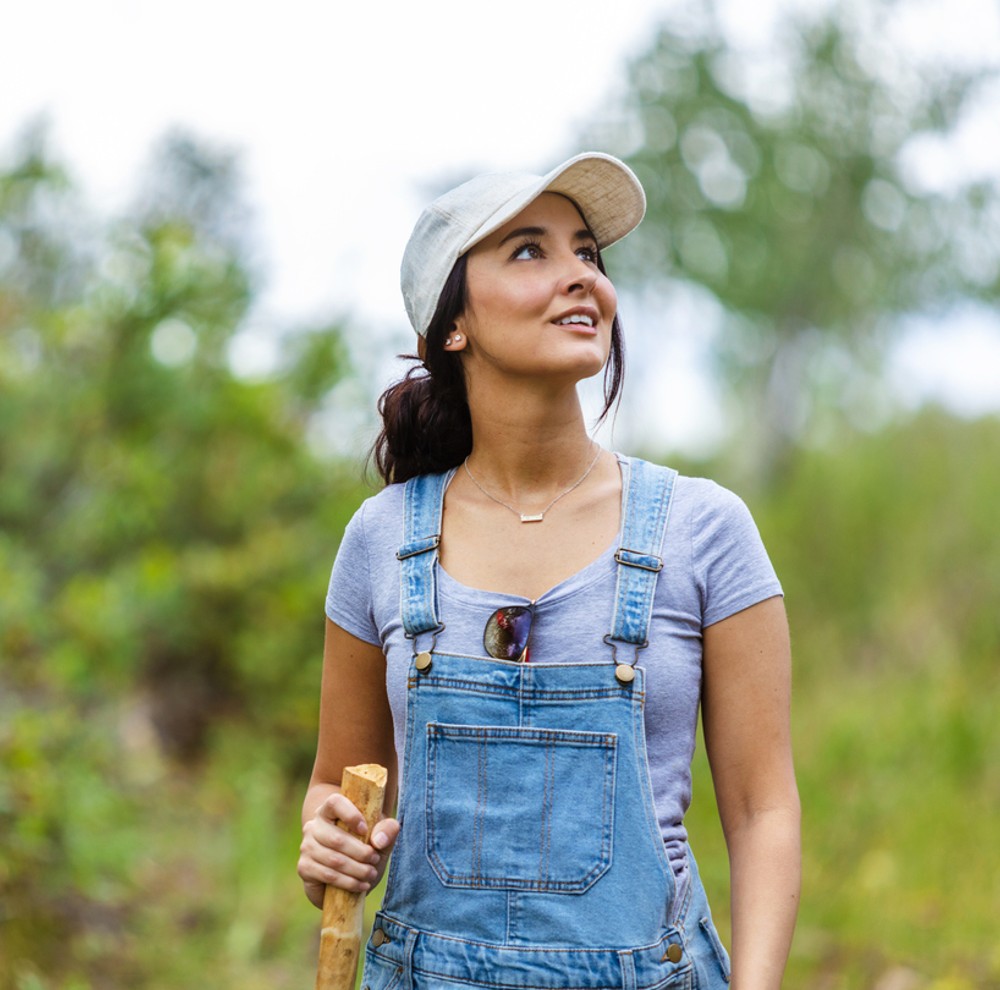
x=579, y=316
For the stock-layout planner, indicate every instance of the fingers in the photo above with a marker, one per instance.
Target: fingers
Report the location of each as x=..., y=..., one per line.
x=315, y=892
x=337, y=808
x=330, y=855
x=320, y=865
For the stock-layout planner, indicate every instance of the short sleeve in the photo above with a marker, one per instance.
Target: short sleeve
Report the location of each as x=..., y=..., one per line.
x=349, y=597
x=732, y=567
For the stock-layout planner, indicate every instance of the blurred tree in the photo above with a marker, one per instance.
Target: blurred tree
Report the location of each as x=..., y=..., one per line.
x=782, y=182
x=165, y=529
x=154, y=492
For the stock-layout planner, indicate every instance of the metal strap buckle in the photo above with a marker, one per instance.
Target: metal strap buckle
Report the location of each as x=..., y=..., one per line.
x=418, y=547
x=644, y=561
x=614, y=650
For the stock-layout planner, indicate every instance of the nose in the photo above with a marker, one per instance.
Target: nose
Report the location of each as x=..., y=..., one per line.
x=580, y=276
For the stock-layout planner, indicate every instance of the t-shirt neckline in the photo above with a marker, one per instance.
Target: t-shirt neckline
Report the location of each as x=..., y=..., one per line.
x=573, y=584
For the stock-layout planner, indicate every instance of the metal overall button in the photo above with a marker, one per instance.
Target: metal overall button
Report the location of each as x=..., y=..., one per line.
x=423, y=660
x=673, y=954
x=624, y=672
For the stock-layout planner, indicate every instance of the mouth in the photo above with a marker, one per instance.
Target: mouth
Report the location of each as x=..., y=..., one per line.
x=583, y=317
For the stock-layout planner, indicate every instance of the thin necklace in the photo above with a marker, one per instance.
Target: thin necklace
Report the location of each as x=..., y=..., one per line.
x=531, y=517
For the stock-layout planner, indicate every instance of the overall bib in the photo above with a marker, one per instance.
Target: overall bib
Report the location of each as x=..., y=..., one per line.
x=530, y=855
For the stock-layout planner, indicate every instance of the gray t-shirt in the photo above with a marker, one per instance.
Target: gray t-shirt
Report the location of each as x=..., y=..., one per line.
x=714, y=566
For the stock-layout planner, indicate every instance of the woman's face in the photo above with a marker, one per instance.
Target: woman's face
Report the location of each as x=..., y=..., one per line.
x=537, y=304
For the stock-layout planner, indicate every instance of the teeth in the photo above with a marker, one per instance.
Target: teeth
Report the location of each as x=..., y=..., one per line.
x=576, y=318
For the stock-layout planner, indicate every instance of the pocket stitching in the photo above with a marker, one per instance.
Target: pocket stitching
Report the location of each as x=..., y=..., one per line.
x=721, y=956
x=372, y=963
x=550, y=739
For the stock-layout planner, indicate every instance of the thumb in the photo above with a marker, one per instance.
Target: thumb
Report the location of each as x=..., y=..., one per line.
x=384, y=834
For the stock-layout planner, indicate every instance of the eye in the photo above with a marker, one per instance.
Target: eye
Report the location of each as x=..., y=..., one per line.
x=527, y=251
x=588, y=253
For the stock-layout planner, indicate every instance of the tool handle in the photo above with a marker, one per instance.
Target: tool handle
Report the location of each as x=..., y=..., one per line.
x=343, y=910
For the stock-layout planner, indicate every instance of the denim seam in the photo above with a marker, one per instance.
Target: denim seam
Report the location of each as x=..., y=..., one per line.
x=544, y=824
x=570, y=694
x=717, y=948
x=673, y=931
x=373, y=958
x=527, y=734
x=649, y=803
x=605, y=745
x=482, y=794
x=643, y=536
x=405, y=938
x=423, y=499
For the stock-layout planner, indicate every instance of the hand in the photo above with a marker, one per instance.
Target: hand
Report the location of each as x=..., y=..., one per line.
x=330, y=855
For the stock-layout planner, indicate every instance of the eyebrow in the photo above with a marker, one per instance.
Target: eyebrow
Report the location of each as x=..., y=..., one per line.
x=580, y=235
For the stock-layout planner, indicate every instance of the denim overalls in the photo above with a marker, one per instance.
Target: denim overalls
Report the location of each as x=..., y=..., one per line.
x=530, y=854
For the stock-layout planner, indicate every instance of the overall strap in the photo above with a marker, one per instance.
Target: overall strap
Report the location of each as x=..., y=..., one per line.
x=647, y=506
x=423, y=502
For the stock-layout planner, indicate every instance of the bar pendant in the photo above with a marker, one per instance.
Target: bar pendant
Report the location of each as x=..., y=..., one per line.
x=527, y=518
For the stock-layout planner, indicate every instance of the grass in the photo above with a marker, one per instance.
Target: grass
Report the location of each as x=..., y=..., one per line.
x=899, y=774
x=899, y=771
x=120, y=870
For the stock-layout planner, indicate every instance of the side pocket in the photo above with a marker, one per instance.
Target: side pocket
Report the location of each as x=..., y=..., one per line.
x=717, y=947
x=380, y=973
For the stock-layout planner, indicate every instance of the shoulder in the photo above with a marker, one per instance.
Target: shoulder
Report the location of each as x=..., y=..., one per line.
x=376, y=522
x=384, y=504
x=381, y=517
x=718, y=521
x=705, y=499
x=695, y=497
x=714, y=528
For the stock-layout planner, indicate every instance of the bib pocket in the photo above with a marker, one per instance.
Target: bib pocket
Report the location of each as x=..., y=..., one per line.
x=519, y=808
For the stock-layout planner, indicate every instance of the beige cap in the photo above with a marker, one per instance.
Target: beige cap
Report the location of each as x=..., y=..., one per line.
x=605, y=190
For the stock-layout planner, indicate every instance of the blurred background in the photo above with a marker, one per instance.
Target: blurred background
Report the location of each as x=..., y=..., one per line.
x=202, y=208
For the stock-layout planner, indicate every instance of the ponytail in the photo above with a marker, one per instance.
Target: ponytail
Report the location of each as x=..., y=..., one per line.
x=426, y=425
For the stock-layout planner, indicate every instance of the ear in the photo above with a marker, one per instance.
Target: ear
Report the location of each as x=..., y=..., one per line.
x=457, y=337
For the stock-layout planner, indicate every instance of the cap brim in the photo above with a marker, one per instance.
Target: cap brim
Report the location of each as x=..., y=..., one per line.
x=604, y=189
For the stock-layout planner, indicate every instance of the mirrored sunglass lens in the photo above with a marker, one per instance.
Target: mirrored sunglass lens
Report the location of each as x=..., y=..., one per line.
x=506, y=633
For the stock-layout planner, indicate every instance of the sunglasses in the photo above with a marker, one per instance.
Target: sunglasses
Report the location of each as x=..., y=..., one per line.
x=506, y=634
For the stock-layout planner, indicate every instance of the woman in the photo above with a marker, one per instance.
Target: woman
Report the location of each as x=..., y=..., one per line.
x=522, y=632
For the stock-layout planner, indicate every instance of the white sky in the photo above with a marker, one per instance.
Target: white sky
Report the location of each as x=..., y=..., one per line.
x=344, y=111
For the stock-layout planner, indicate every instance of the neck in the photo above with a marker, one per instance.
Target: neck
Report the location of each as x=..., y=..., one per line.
x=529, y=444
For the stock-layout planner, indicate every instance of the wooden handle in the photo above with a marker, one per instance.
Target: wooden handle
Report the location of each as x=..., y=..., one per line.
x=343, y=910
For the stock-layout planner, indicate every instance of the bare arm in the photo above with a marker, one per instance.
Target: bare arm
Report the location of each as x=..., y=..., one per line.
x=355, y=726
x=745, y=705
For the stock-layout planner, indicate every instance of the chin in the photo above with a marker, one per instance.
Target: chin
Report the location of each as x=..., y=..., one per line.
x=594, y=356
x=588, y=366
x=576, y=359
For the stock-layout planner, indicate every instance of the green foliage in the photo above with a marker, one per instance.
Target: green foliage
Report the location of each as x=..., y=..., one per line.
x=781, y=182
x=888, y=550
x=165, y=537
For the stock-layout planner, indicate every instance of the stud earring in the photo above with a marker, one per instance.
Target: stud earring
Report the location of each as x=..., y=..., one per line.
x=447, y=341
x=458, y=337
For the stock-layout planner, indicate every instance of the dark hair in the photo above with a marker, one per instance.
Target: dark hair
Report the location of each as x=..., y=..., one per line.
x=426, y=426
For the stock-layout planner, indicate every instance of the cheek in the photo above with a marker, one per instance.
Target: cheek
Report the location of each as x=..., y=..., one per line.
x=500, y=306
x=487, y=301
x=605, y=291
